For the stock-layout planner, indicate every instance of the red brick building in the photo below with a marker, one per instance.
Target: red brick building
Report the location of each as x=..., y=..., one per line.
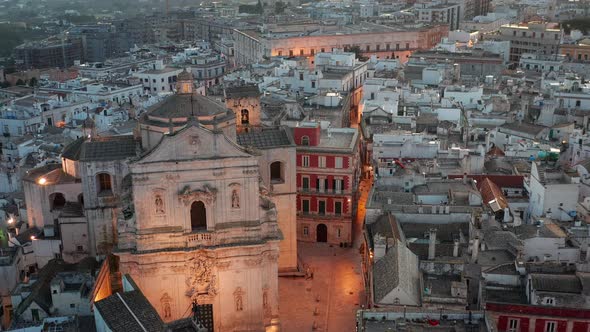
x=504, y=317
x=327, y=180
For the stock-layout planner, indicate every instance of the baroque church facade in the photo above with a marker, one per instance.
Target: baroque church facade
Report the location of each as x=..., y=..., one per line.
x=197, y=214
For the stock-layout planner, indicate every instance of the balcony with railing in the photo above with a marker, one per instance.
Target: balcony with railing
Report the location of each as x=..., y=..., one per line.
x=325, y=215
x=200, y=239
x=330, y=191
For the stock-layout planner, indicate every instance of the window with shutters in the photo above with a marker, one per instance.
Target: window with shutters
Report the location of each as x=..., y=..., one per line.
x=305, y=161
x=513, y=325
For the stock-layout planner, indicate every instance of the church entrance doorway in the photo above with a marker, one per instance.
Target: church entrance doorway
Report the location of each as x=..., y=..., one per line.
x=198, y=216
x=322, y=233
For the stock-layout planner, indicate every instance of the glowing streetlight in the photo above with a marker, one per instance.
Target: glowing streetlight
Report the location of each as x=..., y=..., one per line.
x=42, y=181
x=10, y=220
x=33, y=238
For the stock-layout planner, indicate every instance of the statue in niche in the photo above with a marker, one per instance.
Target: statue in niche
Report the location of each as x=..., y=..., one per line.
x=238, y=296
x=239, y=306
x=159, y=204
x=166, y=299
x=235, y=199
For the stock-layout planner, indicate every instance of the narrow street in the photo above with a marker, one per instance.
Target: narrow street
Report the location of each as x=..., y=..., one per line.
x=329, y=300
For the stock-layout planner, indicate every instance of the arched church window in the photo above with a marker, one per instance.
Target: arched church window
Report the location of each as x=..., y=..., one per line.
x=245, y=117
x=57, y=201
x=198, y=216
x=104, y=182
x=276, y=172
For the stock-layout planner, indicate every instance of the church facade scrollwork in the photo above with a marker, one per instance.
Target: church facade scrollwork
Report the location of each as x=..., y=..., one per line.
x=201, y=278
x=207, y=195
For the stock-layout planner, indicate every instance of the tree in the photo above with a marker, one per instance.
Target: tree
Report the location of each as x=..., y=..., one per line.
x=582, y=24
x=20, y=82
x=33, y=82
x=251, y=9
x=357, y=52
x=280, y=7
x=259, y=7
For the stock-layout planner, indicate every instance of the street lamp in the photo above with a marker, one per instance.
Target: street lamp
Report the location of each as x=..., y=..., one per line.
x=42, y=181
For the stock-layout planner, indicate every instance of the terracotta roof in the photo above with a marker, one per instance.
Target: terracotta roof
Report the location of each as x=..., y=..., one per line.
x=492, y=195
x=496, y=151
x=502, y=181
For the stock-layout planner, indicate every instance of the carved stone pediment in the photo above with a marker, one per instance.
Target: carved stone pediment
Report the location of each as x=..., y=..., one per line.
x=208, y=195
x=192, y=143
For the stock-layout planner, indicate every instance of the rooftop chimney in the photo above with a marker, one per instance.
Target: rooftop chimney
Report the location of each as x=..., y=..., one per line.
x=456, y=248
x=431, y=243
x=475, y=250
x=507, y=217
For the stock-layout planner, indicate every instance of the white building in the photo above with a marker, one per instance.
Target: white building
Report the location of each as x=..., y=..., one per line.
x=448, y=13
x=71, y=294
x=404, y=145
x=461, y=95
x=553, y=192
x=541, y=63
x=545, y=241
x=159, y=78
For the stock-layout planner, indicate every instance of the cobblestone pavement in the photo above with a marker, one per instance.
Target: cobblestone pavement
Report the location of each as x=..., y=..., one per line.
x=329, y=300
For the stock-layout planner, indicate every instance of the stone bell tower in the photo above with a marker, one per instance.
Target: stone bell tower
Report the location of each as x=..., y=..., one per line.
x=89, y=127
x=244, y=101
x=184, y=83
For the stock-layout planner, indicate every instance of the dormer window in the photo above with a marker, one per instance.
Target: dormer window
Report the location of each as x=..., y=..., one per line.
x=305, y=140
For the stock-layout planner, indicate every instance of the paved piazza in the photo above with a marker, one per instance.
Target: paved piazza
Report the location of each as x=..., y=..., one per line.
x=331, y=298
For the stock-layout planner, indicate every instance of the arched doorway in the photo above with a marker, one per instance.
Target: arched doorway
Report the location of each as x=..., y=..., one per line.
x=245, y=117
x=56, y=201
x=322, y=233
x=198, y=216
